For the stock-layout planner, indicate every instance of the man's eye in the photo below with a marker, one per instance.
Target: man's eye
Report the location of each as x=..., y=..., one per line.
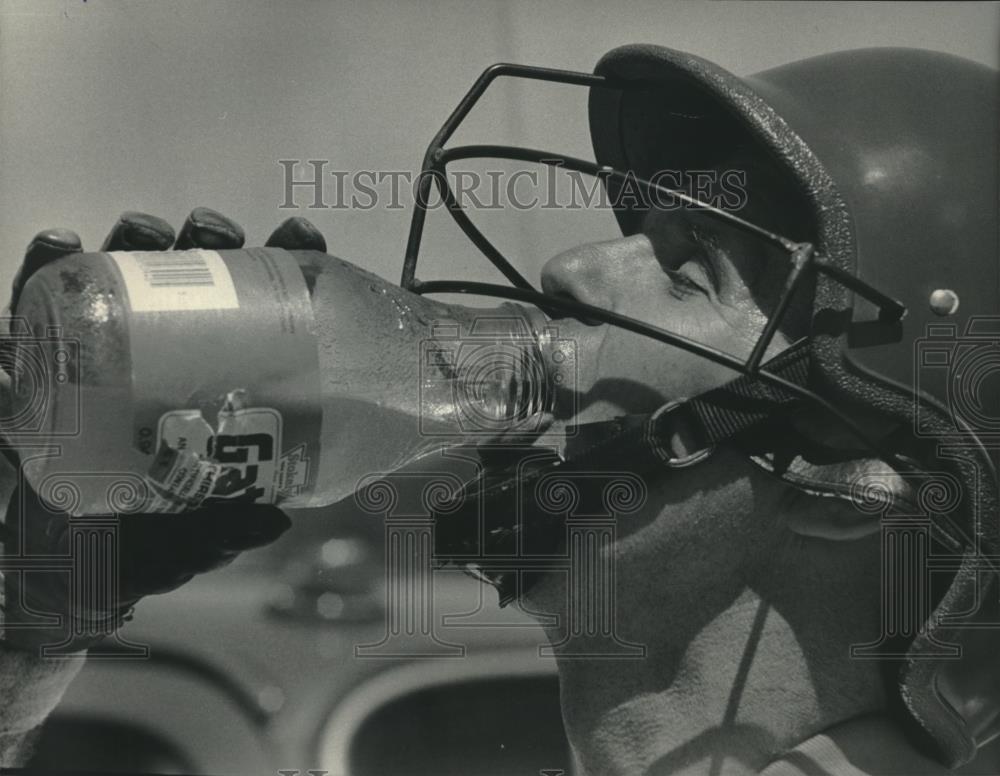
x=696, y=275
x=682, y=285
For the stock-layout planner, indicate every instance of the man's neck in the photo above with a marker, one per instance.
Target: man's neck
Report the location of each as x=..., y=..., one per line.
x=737, y=695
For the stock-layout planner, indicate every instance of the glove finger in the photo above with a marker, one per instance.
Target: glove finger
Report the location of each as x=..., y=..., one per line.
x=206, y=228
x=161, y=552
x=297, y=234
x=220, y=528
x=135, y=231
x=239, y=528
x=44, y=247
x=162, y=574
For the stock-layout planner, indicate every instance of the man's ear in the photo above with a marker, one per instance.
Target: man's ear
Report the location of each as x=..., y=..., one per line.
x=822, y=495
x=841, y=501
x=829, y=517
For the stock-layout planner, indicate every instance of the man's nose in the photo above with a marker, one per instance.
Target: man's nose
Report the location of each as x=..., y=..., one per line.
x=595, y=273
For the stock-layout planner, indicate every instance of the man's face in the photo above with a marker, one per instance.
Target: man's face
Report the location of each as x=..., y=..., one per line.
x=700, y=278
x=685, y=273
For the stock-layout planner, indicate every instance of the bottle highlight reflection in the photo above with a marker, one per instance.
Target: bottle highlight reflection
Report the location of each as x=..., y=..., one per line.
x=163, y=381
x=403, y=374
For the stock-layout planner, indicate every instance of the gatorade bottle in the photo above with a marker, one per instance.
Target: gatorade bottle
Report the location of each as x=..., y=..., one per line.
x=150, y=382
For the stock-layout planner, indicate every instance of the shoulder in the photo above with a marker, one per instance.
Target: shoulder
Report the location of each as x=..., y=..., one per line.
x=868, y=746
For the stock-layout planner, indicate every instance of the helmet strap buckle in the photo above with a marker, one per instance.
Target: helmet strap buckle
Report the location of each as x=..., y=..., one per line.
x=675, y=438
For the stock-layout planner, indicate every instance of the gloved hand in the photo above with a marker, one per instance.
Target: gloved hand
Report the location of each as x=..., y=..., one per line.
x=156, y=552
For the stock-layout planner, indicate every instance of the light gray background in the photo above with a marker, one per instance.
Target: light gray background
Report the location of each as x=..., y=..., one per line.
x=160, y=106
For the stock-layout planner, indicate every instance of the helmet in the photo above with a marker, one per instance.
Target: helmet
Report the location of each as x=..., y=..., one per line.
x=895, y=152
x=891, y=155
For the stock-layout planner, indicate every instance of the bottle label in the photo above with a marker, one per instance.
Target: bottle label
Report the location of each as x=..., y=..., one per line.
x=180, y=280
x=225, y=376
x=196, y=465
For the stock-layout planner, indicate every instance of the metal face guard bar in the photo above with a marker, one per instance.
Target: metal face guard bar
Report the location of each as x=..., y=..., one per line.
x=802, y=257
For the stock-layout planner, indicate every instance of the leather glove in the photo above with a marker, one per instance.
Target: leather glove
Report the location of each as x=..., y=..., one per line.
x=155, y=553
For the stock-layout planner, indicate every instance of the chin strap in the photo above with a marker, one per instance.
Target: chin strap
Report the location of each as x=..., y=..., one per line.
x=678, y=435
x=684, y=432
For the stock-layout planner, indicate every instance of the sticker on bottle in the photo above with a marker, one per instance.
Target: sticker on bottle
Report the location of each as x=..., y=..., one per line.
x=197, y=466
x=175, y=281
